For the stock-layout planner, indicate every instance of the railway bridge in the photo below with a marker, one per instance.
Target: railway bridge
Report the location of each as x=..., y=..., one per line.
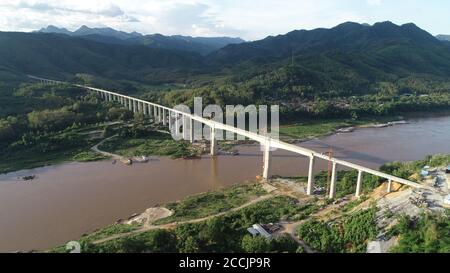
x=176, y=119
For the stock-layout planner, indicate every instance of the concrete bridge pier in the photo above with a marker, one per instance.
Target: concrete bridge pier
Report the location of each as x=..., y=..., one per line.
x=139, y=107
x=164, y=119
x=213, y=141
x=130, y=105
x=160, y=115
x=185, y=129
x=333, y=181
x=149, y=110
x=177, y=125
x=359, y=184
x=170, y=120
x=145, y=109
x=389, y=188
x=310, y=187
x=191, y=130
x=267, y=158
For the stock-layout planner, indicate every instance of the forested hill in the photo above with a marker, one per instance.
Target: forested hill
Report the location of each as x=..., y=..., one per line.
x=57, y=55
x=349, y=59
x=201, y=45
x=385, y=47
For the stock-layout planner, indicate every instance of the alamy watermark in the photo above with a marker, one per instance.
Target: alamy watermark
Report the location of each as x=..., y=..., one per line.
x=261, y=119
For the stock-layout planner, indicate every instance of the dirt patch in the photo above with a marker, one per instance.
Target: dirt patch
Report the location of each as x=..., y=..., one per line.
x=268, y=188
x=150, y=215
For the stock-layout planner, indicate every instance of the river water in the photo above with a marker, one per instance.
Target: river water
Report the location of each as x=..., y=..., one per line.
x=68, y=200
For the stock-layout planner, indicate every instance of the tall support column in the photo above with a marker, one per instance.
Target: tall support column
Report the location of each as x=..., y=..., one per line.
x=359, y=184
x=150, y=113
x=177, y=125
x=164, y=117
x=144, y=109
x=191, y=130
x=310, y=187
x=333, y=182
x=213, y=142
x=184, y=123
x=134, y=106
x=155, y=114
x=389, y=188
x=139, y=108
x=267, y=157
x=170, y=120
x=160, y=115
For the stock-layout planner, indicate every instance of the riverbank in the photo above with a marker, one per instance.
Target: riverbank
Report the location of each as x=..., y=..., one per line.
x=304, y=130
x=219, y=221
x=70, y=145
x=49, y=213
x=153, y=143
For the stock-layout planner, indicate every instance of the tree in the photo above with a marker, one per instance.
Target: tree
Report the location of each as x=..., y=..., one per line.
x=255, y=244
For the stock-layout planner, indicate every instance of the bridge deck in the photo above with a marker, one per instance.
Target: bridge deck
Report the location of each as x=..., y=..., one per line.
x=264, y=140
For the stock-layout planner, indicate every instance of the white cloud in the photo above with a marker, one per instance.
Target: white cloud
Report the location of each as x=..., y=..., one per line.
x=249, y=19
x=374, y=2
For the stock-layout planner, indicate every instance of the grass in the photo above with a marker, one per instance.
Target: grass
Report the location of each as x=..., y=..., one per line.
x=88, y=156
x=100, y=234
x=211, y=203
x=30, y=160
x=65, y=146
x=156, y=144
x=308, y=129
x=232, y=226
x=311, y=129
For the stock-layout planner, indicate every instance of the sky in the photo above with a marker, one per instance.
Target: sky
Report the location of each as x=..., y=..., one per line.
x=248, y=19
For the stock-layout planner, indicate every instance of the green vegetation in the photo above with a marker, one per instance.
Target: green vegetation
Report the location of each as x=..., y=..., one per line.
x=312, y=128
x=52, y=126
x=407, y=170
x=205, y=204
x=361, y=75
x=88, y=157
x=353, y=204
x=138, y=140
x=226, y=233
x=317, y=127
x=349, y=234
x=346, y=182
x=46, y=148
x=426, y=234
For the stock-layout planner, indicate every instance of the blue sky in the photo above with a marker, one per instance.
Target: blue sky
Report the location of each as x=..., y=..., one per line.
x=249, y=19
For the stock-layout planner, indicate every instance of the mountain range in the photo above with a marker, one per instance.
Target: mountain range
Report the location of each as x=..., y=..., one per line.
x=349, y=58
x=443, y=37
x=201, y=45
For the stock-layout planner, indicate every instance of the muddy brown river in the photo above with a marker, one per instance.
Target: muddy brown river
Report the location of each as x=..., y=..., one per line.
x=68, y=200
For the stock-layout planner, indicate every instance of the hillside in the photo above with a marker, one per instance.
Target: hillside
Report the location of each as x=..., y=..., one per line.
x=349, y=59
x=201, y=45
x=62, y=56
x=384, y=47
x=346, y=71
x=443, y=37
